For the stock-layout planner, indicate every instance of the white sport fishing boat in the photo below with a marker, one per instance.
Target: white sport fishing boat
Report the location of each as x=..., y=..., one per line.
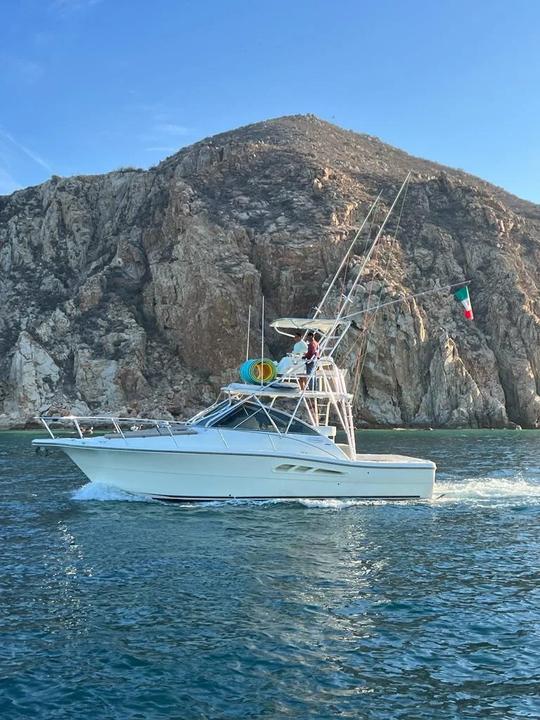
x=275, y=438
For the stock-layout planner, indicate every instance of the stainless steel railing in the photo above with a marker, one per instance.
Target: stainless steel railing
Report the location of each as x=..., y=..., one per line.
x=85, y=425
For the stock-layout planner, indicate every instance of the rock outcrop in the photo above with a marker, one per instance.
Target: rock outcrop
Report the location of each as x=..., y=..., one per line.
x=128, y=292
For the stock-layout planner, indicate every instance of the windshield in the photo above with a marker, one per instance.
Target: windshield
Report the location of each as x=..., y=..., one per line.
x=250, y=416
x=211, y=413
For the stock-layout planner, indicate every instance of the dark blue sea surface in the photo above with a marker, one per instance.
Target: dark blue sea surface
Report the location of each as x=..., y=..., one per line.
x=121, y=609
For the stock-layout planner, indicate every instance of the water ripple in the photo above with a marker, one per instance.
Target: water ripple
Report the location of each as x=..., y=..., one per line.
x=125, y=610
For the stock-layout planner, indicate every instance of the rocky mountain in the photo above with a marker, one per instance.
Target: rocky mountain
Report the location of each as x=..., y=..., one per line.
x=128, y=292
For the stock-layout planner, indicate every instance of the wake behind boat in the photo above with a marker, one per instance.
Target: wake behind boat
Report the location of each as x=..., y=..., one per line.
x=265, y=437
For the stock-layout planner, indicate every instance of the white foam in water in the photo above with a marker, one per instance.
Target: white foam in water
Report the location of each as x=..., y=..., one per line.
x=236, y=502
x=100, y=491
x=487, y=489
x=337, y=504
x=459, y=490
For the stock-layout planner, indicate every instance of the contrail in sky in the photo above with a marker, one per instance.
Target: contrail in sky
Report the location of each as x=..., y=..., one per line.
x=26, y=151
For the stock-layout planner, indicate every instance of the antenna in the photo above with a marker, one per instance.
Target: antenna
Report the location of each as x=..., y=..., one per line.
x=262, y=340
x=249, y=327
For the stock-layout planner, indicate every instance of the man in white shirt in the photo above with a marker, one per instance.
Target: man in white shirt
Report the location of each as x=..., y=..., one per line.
x=300, y=346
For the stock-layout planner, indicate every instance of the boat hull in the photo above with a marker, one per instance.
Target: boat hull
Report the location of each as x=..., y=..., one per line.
x=178, y=475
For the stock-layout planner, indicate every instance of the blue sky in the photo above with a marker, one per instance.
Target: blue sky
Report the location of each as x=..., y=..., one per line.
x=87, y=86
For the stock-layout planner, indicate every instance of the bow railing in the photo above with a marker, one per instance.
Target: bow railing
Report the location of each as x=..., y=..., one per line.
x=88, y=425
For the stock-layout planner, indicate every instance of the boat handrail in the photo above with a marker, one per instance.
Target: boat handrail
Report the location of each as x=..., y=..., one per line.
x=78, y=422
x=75, y=420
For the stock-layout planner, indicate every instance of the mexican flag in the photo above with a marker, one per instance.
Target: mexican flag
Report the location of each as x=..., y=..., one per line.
x=462, y=295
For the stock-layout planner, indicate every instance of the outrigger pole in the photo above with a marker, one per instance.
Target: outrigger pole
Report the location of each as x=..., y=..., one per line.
x=346, y=257
x=373, y=245
x=348, y=298
x=345, y=411
x=346, y=418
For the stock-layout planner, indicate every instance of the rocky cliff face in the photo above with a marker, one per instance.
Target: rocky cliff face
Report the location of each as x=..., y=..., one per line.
x=128, y=292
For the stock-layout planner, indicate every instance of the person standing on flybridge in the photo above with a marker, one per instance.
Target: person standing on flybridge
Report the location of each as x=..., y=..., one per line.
x=310, y=356
x=300, y=346
x=295, y=356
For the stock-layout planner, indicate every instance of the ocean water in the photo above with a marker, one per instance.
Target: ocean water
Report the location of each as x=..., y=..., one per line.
x=117, y=608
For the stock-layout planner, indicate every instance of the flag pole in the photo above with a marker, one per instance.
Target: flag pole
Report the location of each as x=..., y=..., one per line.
x=406, y=297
